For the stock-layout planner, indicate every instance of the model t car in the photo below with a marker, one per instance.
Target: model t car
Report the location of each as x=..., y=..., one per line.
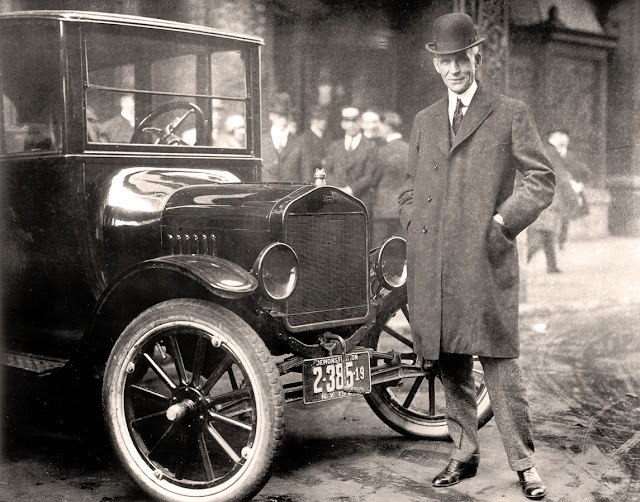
x=140, y=246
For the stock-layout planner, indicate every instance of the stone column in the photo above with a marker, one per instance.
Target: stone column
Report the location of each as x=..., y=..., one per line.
x=623, y=152
x=491, y=18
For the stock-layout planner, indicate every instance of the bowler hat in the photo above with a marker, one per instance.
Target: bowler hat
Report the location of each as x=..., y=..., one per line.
x=281, y=104
x=452, y=33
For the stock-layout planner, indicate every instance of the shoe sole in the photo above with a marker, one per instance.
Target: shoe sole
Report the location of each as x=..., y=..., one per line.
x=534, y=497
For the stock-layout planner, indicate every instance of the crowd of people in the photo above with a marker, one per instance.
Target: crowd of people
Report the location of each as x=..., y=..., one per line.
x=367, y=161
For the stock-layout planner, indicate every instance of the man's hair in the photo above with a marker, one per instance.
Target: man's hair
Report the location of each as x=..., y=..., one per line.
x=392, y=119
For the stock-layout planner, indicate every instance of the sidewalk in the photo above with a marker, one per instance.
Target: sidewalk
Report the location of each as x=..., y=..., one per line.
x=594, y=274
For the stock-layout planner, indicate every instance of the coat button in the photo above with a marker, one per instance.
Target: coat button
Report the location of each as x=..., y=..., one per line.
x=425, y=229
x=429, y=199
x=436, y=166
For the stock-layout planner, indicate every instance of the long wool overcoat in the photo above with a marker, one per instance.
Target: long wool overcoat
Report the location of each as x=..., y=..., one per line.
x=462, y=264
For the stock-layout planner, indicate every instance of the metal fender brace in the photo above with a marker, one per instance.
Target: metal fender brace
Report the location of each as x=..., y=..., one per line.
x=330, y=346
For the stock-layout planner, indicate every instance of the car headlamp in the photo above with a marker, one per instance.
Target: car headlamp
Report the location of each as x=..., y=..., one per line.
x=391, y=263
x=277, y=270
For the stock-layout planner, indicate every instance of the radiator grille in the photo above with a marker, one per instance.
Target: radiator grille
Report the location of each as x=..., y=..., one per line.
x=332, y=249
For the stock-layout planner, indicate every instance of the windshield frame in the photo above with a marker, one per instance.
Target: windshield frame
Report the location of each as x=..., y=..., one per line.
x=250, y=54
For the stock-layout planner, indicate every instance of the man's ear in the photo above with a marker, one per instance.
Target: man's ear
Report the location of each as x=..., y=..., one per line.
x=478, y=59
x=435, y=64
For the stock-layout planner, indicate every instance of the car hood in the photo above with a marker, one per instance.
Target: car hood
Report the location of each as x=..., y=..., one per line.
x=138, y=196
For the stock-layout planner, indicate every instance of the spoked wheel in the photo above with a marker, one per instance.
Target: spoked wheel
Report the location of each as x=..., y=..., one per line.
x=193, y=403
x=414, y=407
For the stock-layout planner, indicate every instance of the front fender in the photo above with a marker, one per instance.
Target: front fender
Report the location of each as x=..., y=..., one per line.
x=219, y=276
x=156, y=280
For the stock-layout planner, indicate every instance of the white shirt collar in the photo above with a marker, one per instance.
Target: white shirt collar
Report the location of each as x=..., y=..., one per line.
x=393, y=136
x=129, y=117
x=465, y=97
x=317, y=131
x=279, y=137
x=355, y=141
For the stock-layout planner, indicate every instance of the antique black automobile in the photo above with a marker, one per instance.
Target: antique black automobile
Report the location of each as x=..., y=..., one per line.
x=141, y=247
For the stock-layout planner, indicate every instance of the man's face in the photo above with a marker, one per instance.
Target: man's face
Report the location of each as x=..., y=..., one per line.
x=279, y=121
x=351, y=127
x=371, y=124
x=560, y=141
x=320, y=124
x=458, y=71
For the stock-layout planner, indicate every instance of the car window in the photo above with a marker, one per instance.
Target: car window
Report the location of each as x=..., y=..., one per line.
x=150, y=87
x=31, y=87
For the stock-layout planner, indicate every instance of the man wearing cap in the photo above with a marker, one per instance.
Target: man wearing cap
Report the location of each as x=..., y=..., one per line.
x=281, y=152
x=314, y=142
x=462, y=214
x=350, y=161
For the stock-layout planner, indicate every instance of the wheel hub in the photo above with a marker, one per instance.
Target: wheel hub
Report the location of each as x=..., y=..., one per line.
x=185, y=402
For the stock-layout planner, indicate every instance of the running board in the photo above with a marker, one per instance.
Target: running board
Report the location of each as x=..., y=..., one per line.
x=32, y=363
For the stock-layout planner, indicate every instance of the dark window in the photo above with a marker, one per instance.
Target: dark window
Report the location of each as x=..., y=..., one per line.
x=31, y=86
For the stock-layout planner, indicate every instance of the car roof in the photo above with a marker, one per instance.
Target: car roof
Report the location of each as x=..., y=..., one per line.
x=122, y=19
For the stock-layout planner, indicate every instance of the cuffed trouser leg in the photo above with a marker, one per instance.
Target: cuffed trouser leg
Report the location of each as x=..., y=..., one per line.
x=460, y=394
x=505, y=384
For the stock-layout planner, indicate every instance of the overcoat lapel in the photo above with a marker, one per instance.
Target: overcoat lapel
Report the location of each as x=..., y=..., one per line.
x=479, y=109
x=442, y=127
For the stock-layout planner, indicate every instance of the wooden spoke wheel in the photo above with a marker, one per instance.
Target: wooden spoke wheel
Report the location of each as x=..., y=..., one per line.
x=193, y=403
x=414, y=407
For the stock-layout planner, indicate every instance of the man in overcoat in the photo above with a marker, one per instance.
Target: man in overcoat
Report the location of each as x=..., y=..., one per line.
x=462, y=213
x=281, y=150
x=391, y=160
x=350, y=161
x=314, y=142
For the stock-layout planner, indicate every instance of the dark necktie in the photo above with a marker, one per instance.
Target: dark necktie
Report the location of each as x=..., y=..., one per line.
x=457, y=117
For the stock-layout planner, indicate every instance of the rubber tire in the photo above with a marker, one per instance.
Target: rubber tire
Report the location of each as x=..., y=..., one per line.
x=263, y=374
x=394, y=414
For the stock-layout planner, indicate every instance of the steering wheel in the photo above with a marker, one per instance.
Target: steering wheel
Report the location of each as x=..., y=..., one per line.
x=165, y=135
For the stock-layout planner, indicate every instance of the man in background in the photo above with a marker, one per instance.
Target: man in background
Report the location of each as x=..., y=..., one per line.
x=314, y=143
x=578, y=174
x=281, y=151
x=350, y=161
x=392, y=160
x=119, y=129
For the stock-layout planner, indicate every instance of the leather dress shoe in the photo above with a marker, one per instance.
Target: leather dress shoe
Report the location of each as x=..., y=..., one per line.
x=532, y=485
x=455, y=471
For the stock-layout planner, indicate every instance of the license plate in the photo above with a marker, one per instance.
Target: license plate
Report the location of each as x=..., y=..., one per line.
x=327, y=378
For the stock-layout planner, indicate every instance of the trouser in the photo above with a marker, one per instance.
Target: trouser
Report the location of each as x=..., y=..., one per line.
x=563, y=235
x=505, y=384
x=537, y=239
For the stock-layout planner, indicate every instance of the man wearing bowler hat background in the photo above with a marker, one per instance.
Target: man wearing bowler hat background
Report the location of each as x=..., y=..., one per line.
x=462, y=214
x=281, y=150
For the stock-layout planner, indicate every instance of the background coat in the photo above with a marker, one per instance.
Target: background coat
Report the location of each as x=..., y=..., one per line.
x=355, y=168
x=565, y=201
x=313, y=152
x=283, y=166
x=463, y=269
x=392, y=162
